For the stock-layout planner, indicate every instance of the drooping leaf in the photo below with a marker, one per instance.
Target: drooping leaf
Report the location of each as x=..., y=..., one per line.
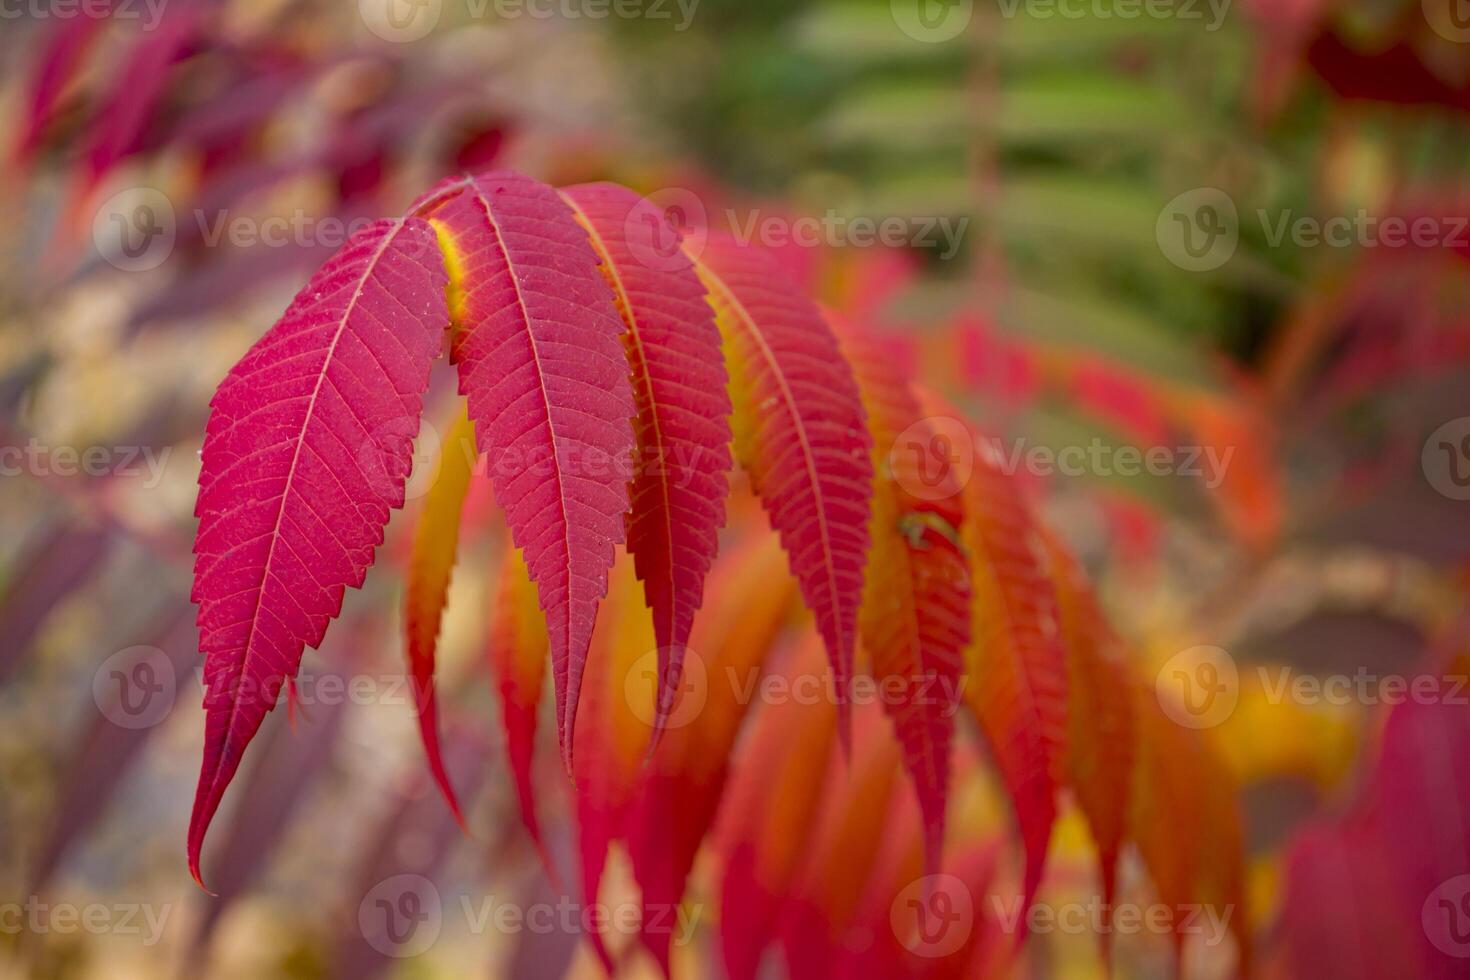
x=435, y=542
x=538, y=343
x=841, y=852
x=685, y=778
x=1186, y=821
x=681, y=469
x=767, y=816
x=614, y=725
x=800, y=434
x=915, y=617
x=306, y=452
x=517, y=655
x=1015, y=662
x=1100, y=730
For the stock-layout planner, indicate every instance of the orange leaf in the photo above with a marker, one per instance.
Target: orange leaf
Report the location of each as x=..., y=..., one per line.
x=915, y=616
x=517, y=653
x=435, y=541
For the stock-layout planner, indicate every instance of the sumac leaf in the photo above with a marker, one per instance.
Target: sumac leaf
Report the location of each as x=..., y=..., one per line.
x=1017, y=670
x=915, y=617
x=435, y=541
x=306, y=452
x=681, y=469
x=538, y=344
x=800, y=434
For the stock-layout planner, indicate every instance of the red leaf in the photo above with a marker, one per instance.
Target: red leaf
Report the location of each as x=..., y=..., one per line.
x=685, y=778
x=540, y=359
x=915, y=618
x=1099, y=753
x=799, y=432
x=680, y=481
x=306, y=452
x=1017, y=671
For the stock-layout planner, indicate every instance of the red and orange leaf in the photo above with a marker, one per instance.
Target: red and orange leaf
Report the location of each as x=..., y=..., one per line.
x=614, y=724
x=517, y=654
x=685, y=777
x=800, y=433
x=841, y=854
x=538, y=344
x=1099, y=754
x=436, y=539
x=681, y=471
x=915, y=617
x=767, y=817
x=306, y=452
x=1186, y=822
x=1017, y=670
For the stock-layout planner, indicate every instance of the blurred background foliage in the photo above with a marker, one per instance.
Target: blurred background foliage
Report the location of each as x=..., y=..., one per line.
x=1060, y=319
